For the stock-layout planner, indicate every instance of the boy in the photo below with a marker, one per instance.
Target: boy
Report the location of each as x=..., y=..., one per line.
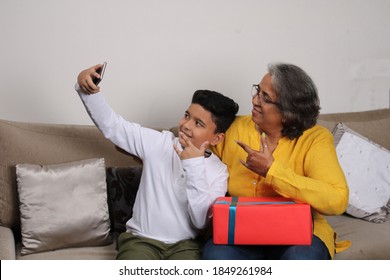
x=179, y=183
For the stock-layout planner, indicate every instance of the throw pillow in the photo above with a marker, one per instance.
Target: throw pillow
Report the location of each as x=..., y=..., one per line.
x=366, y=166
x=63, y=205
x=122, y=187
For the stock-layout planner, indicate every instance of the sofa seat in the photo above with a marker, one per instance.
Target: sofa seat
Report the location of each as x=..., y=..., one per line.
x=370, y=241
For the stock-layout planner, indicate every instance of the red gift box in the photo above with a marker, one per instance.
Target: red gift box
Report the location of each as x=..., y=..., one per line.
x=261, y=221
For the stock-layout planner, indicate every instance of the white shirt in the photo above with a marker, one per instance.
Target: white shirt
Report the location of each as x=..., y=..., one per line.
x=175, y=196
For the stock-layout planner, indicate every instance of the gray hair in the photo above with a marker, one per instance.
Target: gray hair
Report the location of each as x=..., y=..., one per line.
x=297, y=97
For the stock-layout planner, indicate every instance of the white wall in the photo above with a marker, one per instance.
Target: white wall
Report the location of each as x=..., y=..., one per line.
x=160, y=52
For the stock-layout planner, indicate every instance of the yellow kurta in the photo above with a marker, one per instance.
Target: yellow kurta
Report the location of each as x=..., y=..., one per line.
x=305, y=169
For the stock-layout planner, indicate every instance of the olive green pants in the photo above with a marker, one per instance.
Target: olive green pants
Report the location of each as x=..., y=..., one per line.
x=132, y=247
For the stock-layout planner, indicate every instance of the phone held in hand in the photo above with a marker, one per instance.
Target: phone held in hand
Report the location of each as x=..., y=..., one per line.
x=100, y=71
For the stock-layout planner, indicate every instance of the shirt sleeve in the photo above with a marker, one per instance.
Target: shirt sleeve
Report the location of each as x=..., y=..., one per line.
x=323, y=184
x=131, y=137
x=206, y=181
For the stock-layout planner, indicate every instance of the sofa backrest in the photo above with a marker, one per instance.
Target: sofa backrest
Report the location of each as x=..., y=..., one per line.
x=47, y=144
x=374, y=124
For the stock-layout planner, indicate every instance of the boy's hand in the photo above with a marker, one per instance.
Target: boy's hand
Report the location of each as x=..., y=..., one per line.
x=189, y=150
x=85, y=79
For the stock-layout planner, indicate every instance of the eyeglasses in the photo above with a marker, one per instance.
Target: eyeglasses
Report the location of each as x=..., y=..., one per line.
x=256, y=92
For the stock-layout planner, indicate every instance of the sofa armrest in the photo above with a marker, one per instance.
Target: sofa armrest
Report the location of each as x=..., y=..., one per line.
x=7, y=244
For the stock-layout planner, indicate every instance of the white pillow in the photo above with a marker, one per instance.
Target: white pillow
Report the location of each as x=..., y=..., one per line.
x=366, y=166
x=63, y=205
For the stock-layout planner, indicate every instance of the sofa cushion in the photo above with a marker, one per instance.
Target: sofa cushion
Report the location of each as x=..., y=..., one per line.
x=366, y=166
x=122, y=187
x=106, y=252
x=63, y=205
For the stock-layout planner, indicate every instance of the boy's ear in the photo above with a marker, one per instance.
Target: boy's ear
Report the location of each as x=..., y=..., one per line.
x=218, y=137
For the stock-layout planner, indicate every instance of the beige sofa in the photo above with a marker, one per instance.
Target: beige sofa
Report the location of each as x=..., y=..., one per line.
x=46, y=144
x=369, y=240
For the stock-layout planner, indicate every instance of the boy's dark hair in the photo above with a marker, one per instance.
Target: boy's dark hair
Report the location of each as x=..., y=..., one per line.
x=222, y=108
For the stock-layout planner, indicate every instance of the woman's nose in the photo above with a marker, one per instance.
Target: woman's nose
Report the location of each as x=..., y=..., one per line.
x=256, y=100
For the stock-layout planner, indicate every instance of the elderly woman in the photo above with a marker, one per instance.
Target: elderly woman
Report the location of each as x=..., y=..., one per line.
x=279, y=150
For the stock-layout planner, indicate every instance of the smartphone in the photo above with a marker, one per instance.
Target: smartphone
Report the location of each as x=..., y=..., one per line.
x=100, y=71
